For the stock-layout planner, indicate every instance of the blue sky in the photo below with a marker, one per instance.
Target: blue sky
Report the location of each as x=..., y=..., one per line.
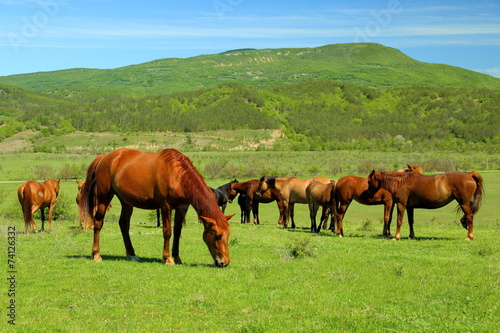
x=45, y=35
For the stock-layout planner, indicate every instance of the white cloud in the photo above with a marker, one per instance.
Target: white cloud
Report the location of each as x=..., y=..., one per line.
x=491, y=71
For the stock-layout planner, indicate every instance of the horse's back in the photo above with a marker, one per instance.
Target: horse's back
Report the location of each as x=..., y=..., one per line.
x=141, y=179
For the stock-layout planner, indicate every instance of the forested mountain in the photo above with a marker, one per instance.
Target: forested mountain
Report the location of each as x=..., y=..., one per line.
x=315, y=114
x=363, y=64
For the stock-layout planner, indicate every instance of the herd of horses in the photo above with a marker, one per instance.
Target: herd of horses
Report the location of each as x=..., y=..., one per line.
x=167, y=181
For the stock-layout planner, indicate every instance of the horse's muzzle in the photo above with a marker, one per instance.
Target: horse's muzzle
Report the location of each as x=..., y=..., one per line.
x=220, y=263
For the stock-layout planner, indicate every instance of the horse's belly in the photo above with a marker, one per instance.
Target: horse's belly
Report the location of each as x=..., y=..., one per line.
x=428, y=202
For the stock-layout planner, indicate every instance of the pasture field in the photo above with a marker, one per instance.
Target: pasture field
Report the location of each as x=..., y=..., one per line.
x=278, y=280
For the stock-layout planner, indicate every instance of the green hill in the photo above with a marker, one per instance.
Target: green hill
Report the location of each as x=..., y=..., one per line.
x=364, y=64
x=315, y=114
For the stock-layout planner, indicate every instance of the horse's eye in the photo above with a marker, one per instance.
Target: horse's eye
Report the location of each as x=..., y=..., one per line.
x=218, y=237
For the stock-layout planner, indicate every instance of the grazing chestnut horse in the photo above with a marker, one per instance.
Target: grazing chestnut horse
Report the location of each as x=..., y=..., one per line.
x=34, y=196
x=320, y=195
x=249, y=188
x=411, y=190
x=224, y=194
x=166, y=180
x=291, y=190
x=350, y=188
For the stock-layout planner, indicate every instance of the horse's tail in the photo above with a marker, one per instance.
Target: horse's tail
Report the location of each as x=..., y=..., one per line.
x=334, y=203
x=27, y=205
x=478, y=195
x=88, y=204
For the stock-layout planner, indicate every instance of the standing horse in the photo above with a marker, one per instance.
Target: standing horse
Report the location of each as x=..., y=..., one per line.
x=245, y=207
x=249, y=188
x=291, y=191
x=350, y=188
x=224, y=194
x=320, y=195
x=34, y=196
x=166, y=180
x=412, y=190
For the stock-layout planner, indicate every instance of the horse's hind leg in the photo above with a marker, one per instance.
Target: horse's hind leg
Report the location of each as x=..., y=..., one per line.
x=468, y=220
x=42, y=214
x=411, y=215
x=125, y=229
x=49, y=220
x=98, y=222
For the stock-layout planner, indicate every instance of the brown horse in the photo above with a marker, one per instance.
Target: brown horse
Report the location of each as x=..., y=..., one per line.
x=167, y=181
x=291, y=190
x=249, y=188
x=34, y=196
x=412, y=190
x=350, y=188
x=320, y=195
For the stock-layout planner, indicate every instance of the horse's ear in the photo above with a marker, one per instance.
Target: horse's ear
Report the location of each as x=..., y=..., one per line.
x=409, y=166
x=229, y=217
x=371, y=174
x=207, y=220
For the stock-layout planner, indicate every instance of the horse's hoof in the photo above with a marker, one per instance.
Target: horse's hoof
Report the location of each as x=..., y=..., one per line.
x=133, y=258
x=97, y=259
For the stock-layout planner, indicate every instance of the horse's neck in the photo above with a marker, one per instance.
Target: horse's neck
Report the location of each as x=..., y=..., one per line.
x=242, y=187
x=203, y=201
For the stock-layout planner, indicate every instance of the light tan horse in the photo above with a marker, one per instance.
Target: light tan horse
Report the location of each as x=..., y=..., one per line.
x=321, y=195
x=34, y=196
x=291, y=190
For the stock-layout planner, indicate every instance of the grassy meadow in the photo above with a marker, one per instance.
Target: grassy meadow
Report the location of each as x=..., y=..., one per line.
x=278, y=280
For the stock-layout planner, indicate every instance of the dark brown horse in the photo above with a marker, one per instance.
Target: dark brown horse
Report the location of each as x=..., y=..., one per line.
x=167, y=181
x=224, y=194
x=412, y=190
x=249, y=188
x=34, y=196
x=350, y=188
x=291, y=190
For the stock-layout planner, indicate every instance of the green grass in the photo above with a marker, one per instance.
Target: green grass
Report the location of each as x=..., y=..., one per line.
x=278, y=280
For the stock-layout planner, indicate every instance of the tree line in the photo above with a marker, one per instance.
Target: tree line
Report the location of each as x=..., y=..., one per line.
x=314, y=115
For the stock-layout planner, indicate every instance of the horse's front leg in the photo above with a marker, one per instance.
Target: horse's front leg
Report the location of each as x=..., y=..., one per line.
x=388, y=210
x=291, y=208
x=125, y=229
x=281, y=210
x=339, y=217
x=401, y=214
x=286, y=214
x=255, y=211
x=313, y=210
x=411, y=212
x=166, y=215
x=180, y=216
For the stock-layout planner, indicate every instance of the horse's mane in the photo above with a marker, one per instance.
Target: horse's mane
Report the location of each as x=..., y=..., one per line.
x=195, y=188
x=392, y=180
x=271, y=180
